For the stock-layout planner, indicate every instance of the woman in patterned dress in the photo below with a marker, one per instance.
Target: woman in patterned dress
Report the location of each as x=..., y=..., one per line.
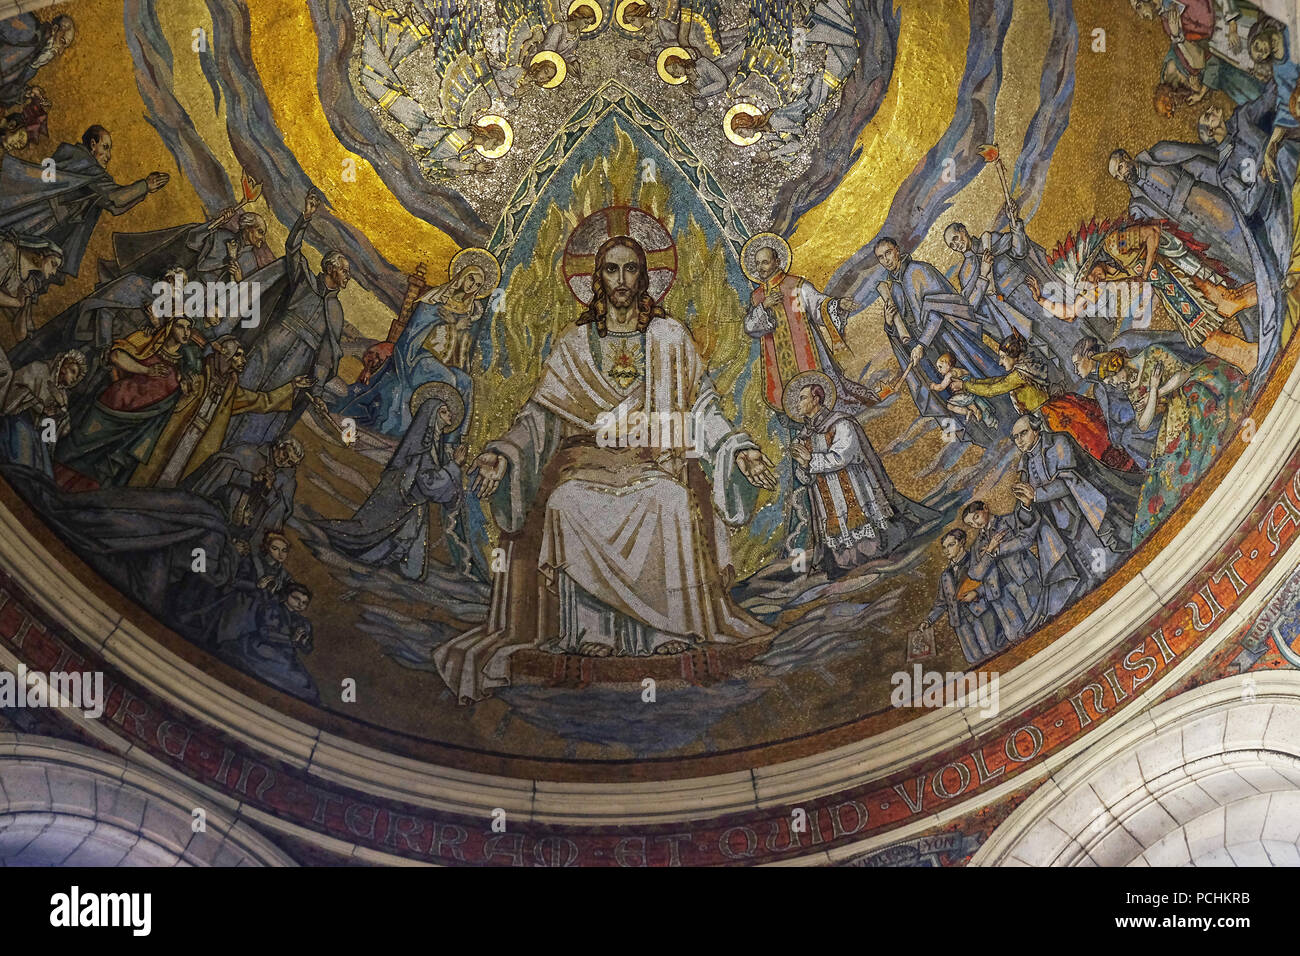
x=1198, y=405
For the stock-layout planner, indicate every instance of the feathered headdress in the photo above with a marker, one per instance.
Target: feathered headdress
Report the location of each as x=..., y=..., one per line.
x=1074, y=256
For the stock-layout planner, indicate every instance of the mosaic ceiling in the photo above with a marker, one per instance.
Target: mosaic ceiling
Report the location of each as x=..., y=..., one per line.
x=609, y=383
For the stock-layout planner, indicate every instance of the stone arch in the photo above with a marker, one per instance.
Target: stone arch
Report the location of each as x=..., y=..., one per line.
x=63, y=804
x=1210, y=778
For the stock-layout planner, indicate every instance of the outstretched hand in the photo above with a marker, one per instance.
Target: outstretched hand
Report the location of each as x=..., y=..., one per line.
x=486, y=472
x=757, y=468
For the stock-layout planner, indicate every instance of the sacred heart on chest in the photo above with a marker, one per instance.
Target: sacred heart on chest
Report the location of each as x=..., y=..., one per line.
x=625, y=365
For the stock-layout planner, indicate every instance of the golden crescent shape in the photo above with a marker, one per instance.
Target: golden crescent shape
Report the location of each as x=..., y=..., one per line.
x=561, y=67
x=493, y=119
x=661, y=64
x=594, y=8
x=741, y=139
x=618, y=17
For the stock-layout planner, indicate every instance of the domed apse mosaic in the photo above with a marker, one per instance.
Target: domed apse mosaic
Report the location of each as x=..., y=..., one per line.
x=623, y=386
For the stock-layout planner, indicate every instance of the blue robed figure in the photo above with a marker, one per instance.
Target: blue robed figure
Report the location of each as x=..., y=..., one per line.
x=434, y=346
x=926, y=317
x=27, y=45
x=66, y=209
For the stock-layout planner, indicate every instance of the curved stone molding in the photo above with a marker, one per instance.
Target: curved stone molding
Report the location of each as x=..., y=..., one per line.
x=1122, y=774
x=65, y=804
x=1227, y=511
x=1216, y=781
x=1261, y=829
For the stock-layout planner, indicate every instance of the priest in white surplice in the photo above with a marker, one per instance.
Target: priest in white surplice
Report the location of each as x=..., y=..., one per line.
x=616, y=544
x=858, y=514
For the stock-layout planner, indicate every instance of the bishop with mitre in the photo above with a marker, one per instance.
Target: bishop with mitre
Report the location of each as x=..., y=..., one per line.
x=613, y=547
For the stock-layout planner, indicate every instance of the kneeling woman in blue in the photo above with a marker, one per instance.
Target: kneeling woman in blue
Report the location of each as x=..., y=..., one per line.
x=37, y=395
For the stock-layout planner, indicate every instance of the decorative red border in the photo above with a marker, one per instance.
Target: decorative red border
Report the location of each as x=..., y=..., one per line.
x=1008, y=750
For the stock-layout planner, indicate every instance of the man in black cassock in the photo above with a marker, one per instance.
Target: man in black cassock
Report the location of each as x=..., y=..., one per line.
x=66, y=209
x=203, y=249
x=299, y=333
x=925, y=317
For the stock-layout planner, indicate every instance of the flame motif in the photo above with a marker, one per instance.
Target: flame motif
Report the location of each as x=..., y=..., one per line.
x=538, y=307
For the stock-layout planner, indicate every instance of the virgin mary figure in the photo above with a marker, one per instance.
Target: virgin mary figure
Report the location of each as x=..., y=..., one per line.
x=435, y=346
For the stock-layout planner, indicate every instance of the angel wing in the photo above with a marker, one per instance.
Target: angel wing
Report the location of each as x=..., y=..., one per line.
x=466, y=84
x=390, y=37
x=706, y=17
x=520, y=19
x=770, y=47
x=396, y=34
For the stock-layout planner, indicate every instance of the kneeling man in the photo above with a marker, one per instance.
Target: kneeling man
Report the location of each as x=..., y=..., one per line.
x=858, y=514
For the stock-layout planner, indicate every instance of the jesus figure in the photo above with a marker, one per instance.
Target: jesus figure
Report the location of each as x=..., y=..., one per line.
x=612, y=548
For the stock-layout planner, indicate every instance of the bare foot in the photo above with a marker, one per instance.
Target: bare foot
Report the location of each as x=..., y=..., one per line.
x=672, y=647
x=592, y=649
x=1228, y=301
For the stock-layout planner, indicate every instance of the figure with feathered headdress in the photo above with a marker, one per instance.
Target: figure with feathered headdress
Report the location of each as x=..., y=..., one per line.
x=1126, y=270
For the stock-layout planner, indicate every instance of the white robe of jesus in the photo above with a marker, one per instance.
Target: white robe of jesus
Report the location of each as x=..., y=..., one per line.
x=617, y=545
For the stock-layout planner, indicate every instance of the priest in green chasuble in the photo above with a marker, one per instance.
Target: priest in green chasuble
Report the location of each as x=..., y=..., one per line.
x=615, y=544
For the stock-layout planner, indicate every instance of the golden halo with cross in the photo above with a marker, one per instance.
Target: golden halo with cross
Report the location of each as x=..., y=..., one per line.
x=763, y=240
x=484, y=261
x=449, y=396
x=602, y=225
x=790, y=394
